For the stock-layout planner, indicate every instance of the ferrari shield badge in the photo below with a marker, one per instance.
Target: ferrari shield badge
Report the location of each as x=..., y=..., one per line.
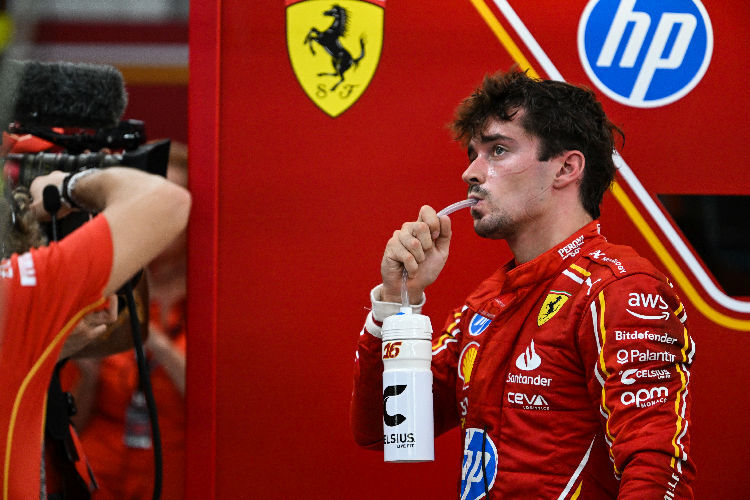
x=334, y=48
x=552, y=304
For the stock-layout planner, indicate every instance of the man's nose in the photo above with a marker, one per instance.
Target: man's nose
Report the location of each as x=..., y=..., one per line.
x=474, y=173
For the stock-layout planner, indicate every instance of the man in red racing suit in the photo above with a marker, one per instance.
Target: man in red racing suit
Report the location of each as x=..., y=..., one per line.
x=573, y=369
x=568, y=369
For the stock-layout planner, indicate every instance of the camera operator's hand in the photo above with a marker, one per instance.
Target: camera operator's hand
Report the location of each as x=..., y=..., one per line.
x=54, y=178
x=91, y=327
x=169, y=356
x=145, y=212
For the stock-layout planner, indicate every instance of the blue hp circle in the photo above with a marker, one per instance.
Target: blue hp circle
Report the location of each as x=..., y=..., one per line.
x=479, y=467
x=645, y=53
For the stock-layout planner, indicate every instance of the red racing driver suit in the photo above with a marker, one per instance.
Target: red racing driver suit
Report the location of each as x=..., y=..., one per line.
x=568, y=374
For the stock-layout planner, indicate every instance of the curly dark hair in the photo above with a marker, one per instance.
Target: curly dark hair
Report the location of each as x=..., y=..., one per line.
x=564, y=117
x=19, y=229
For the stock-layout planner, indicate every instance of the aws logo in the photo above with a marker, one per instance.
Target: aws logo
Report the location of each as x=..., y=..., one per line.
x=645, y=54
x=334, y=48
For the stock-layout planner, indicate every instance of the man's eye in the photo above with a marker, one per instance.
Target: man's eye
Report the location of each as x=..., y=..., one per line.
x=498, y=150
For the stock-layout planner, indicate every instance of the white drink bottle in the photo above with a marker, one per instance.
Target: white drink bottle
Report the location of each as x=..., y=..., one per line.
x=408, y=428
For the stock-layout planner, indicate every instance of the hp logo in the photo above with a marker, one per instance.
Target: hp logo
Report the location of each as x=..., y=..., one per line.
x=645, y=53
x=479, y=468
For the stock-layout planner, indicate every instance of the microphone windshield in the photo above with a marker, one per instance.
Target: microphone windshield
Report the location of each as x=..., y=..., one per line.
x=63, y=94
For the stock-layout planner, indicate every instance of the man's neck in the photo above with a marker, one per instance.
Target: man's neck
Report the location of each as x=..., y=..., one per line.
x=543, y=234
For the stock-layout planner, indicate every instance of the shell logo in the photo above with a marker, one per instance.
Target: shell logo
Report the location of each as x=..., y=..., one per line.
x=466, y=362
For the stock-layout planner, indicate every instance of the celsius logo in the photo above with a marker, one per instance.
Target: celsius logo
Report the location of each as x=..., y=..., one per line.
x=625, y=379
x=479, y=468
x=388, y=419
x=629, y=377
x=528, y=360
x=478, y=324
x=643, y=53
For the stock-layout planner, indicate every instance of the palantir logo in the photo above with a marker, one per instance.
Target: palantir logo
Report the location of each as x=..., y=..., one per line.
x=645, y=53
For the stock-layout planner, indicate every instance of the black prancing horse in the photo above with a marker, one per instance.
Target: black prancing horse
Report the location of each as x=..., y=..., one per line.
x=330, y=40
x=551, y=305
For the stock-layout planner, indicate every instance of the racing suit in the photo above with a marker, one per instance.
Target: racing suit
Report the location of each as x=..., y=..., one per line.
x=569, y=374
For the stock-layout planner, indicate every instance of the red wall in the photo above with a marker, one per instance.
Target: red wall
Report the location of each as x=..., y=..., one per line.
x=293, y=208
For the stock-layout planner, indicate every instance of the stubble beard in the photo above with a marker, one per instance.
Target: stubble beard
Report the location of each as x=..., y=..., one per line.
x=494, y=226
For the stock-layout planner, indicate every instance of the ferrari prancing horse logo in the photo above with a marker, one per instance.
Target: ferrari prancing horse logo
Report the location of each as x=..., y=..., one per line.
x=334, y=48
x=552, y=304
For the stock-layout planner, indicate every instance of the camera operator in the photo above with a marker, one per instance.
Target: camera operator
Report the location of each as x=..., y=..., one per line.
x=45, y=292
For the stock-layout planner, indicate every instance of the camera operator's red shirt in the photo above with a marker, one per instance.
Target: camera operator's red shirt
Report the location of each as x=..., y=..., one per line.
x=45, y=291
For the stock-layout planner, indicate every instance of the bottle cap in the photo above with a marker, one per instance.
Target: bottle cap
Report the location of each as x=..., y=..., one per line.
x=406, y=325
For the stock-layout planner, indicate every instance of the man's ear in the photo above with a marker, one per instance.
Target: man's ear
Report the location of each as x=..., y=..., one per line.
x=570, y=168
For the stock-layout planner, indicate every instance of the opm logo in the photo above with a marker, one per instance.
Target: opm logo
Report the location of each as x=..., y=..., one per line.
x=644, y=53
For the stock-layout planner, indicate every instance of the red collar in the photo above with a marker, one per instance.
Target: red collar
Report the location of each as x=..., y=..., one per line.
x=550, y=262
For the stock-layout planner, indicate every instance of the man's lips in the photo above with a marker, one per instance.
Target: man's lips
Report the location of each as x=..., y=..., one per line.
x=479, y=201
x=476, y=210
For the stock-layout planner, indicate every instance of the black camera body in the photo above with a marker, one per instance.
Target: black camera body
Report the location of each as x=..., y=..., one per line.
x=83, y=151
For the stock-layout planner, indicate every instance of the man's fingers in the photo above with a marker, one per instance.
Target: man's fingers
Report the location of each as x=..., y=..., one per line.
x=413, y=247
x=428, y=215
x=443, y=241
x=415, y=237
x=97, y=331
x=401, y=250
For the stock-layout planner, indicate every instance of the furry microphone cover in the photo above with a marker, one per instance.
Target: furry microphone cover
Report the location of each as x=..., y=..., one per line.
x=62, y=94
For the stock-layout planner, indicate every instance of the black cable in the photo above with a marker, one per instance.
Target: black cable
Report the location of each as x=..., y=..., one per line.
x=52, y=203
x=484, y=472
x=145, y=386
